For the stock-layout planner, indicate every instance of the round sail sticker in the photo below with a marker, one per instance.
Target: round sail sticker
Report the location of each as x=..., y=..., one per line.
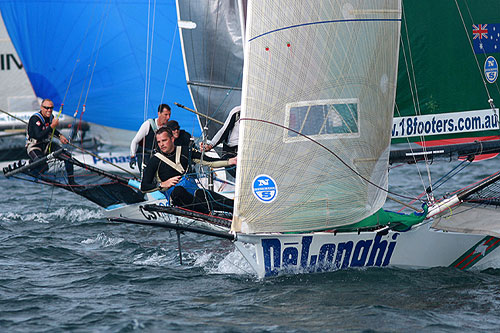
x=264, y=188
x=491, y=69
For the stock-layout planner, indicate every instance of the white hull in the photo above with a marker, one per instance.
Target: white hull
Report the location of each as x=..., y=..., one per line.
x=420, y=247
x=108, y=160
x=135, y=211
x=120, y=159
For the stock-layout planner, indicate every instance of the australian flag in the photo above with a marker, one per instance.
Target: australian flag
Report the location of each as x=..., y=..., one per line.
x=485, y=38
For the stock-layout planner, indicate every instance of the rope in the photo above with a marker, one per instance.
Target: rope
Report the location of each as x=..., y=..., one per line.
x=103, y=24
x=331, y=152
x=412, y=83
x=169, y=62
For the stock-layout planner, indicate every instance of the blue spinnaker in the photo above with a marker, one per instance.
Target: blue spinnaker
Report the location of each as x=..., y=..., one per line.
x=117, y=48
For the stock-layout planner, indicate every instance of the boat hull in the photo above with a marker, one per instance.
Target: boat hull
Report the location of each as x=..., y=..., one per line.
x=137, y=211
x=420, y=247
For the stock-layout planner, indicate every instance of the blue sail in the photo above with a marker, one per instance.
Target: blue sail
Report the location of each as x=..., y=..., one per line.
x=113, y=56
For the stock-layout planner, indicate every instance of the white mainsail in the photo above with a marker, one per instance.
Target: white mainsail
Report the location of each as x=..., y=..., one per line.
x=318, y=97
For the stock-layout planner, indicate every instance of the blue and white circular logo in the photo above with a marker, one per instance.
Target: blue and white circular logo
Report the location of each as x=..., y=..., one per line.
x=491, y=69
x=264, y=188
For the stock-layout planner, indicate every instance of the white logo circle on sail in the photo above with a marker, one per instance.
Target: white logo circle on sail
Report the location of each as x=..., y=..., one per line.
x=491, y=69
x=264, y=188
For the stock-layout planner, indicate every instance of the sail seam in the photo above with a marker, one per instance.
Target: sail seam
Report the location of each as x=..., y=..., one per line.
x=323, y=22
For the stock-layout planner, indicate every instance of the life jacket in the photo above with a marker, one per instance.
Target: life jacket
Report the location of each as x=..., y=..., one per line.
x=32, y=143
x=149, y=139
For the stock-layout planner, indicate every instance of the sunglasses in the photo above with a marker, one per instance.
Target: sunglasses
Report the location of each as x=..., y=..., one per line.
x=48, y=107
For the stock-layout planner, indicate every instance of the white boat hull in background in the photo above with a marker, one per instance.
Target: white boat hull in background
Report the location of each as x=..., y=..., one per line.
x=106, y=161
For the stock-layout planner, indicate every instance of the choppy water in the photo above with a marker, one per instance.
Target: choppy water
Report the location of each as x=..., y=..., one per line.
x=63, y=267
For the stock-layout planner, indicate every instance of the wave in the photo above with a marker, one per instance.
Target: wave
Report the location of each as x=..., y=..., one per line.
x=231, y=262
x=64, y=213
x=101, y=240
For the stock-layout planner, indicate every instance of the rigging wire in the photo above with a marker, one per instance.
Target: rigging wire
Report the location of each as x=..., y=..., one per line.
x=416, y=100
x=213, y=59
x=330, y=151
x=490, y=100
x=462, y=165
x=86, y=74
x=169, y=62
x=97, y=49
x=105, y=18
x=147, y=83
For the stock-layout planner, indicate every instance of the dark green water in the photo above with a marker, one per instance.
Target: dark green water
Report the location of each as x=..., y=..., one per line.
x=63, y=267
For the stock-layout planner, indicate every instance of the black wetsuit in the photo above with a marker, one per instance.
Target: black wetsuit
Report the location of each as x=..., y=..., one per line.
x=184, y=139
x=39, y=133
x=202, y=201
x=38, y=140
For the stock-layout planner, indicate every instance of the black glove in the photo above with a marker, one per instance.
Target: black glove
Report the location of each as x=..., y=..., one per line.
x=132, y=162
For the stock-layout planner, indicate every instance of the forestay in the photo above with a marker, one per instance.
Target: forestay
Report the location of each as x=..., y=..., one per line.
x=318, y=96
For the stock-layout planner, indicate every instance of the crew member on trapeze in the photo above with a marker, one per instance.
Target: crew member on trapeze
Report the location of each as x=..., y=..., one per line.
x=41, y=129
x=144, y=139
x=171, y=164
x=228, y=135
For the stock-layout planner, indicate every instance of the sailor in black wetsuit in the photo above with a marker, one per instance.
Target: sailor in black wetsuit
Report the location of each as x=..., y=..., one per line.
x=39, y=134
x=145, y=137
x=182, y=138
x=228, y=135
x=170, y=164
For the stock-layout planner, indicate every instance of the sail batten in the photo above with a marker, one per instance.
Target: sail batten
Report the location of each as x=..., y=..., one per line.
x=316, y=76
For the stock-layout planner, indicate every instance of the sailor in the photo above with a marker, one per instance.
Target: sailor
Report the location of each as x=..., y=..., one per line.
x=145, y=137
x=41, y=125
x=170, y=164
x=182, y=138
x=228, y=135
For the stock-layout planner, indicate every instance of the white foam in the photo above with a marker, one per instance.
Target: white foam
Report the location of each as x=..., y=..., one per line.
x=64, y=213
x=232, y=262
x=102, y=240
x=155, y=259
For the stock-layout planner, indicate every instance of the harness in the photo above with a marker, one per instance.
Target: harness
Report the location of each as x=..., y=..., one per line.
x=31, y=143
x=177, y=165
x=149, y=139
x=187, y=182
x=152, y=122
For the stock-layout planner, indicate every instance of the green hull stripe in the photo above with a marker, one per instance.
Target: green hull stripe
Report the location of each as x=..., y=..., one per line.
x=476, y=253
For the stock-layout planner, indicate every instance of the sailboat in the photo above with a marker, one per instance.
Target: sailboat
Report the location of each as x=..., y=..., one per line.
x=114, y=66
x=18, y=98
x=320, y=85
